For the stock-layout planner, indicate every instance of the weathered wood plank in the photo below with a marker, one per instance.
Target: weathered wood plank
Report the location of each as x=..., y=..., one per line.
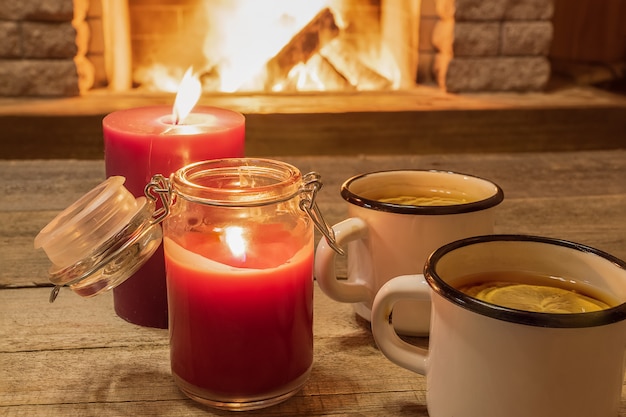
x=376, y=404
x=142, y=373
x=28, y=322
x=52, y=184
x=102, y=101
x=596, y=221
x=46, y=185
x=78, y=353
x=574, y=195
x=99, y=371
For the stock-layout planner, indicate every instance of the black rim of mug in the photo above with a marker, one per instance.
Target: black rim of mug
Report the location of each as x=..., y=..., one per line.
x=573, y=320
x=353, y=198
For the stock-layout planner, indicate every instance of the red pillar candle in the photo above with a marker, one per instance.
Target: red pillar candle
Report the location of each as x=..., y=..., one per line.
x=141, y=142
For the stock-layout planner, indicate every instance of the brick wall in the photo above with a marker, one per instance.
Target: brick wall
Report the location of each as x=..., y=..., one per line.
x=164, y=32
x=50, y=48
x=496, y=45
x=37, y=49
x=426, y=49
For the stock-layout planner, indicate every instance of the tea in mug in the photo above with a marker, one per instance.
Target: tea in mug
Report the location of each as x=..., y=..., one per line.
x=536, y=293
x=425, y=197
x=407, y=200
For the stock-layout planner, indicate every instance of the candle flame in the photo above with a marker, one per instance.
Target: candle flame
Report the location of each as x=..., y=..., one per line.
x=235, y=241
x=189, y=91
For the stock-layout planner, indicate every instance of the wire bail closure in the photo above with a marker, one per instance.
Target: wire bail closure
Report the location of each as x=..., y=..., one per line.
x=312, y=184
x=159, y=187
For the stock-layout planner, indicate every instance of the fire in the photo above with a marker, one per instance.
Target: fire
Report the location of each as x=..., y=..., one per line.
x=189, y=92
x=242, y=54
x=288, y=45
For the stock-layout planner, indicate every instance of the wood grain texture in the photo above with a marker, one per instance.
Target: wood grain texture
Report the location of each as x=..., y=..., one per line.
x=544, y=194
x=75, y=357
x=589, y=30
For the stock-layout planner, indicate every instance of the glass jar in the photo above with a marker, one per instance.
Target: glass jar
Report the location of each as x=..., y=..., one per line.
x=100, y=240
x=238, y=240
x=239, y=267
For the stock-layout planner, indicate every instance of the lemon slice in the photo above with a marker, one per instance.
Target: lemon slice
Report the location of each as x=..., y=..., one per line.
x=536, y=298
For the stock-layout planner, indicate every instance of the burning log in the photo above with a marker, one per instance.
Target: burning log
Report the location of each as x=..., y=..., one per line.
x=345, y=60
x=316, y=75
x=333, y=80
x=306, y=43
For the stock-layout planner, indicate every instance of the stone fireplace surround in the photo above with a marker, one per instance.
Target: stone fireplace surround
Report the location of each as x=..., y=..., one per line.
x=55, y=48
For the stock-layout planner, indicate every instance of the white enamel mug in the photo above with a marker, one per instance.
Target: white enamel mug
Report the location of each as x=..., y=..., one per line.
x=489, y=361
x=385, y=239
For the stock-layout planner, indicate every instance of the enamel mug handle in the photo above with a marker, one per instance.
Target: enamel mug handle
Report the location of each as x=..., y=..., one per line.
x=340, y=290
x=393, y=347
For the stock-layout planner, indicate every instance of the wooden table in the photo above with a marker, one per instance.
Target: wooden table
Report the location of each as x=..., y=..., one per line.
x=76, y=358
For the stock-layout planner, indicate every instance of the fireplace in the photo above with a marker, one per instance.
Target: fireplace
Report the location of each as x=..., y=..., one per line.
x=258, y=46
x=474, y=77
x=254, y=46
x=65, y=47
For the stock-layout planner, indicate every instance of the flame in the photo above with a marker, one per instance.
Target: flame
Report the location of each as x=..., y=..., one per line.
x=240, y=56
x=236, y=243
x=237, y=39
x=189, y=91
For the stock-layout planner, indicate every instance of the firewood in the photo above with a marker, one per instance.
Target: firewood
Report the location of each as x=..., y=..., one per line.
x=345, y=59
x=308, y=41
x=316, y=75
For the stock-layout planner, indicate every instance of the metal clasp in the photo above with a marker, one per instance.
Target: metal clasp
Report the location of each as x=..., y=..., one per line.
x=312, y=184
x=159, y=188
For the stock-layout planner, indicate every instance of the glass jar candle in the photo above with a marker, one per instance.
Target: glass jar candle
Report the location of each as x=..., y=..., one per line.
x=239, y=260
x=238, y=245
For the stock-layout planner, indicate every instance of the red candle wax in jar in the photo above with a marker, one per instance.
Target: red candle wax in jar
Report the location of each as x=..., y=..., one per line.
x=141, y=142
x=240, y=327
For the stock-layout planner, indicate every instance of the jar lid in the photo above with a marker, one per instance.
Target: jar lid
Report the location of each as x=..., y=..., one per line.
x=100, y=240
